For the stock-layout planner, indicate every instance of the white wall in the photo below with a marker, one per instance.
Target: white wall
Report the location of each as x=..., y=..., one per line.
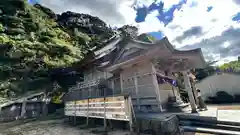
x=223, y=82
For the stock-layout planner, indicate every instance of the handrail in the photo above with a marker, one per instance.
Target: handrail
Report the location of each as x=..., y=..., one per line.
x=81, y=85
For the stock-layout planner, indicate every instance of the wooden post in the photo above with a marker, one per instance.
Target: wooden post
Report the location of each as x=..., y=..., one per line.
x=87, y=123
x=136, y=90
x=44, y=108
x=121, y=82
x=23, y=109
x=105, y=119
x=113, y=87
x=74, y=119
x=130, y=113
x=189, y=90
x=155, y=84
x=194, y=90
x=174, y=93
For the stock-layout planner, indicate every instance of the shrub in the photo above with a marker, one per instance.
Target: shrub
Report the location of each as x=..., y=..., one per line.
x=224, y=97
x=237, y=98
x=1, y=28
x=211, y=100
x=221, y=97
x=15, y=31
x=11, y=19
x=45, y=39
x=48, y=33
x=16, y=25
x=31, y=26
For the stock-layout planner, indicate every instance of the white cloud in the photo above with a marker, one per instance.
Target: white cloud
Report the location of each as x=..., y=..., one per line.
x=226, y=44
x=213, y=24
x=111, y=11
x=209, y=27
x=225, y=60
x=150, y=24
x=169, y=3
x=141, y=3
x=128, y=12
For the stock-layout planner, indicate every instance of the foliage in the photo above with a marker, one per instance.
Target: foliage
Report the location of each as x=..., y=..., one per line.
x=233, y=66
x=1, y=28
x=36, y=45
x=221, y=97
x=146, y=38
x=203, y=73
x=33, y=41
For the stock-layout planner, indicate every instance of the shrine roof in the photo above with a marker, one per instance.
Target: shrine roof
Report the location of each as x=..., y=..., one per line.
x=109, y=54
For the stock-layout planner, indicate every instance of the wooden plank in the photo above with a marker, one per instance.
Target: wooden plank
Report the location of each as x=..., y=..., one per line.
x=95, y=108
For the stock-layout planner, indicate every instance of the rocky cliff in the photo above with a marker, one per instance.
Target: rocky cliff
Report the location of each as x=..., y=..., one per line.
x=33, y=40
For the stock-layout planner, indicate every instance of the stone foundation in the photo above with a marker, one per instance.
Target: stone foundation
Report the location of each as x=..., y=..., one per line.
x=168, y=126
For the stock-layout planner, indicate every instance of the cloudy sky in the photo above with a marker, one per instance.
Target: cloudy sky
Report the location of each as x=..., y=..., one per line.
x=213, y=25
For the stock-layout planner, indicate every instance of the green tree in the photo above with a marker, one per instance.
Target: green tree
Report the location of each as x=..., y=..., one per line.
x=234, y=66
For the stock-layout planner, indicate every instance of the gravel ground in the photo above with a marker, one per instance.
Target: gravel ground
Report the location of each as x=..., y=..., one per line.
x=57, y=127
x=51, y=127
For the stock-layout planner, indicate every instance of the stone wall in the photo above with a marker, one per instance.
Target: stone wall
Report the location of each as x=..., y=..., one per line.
x=16, y=111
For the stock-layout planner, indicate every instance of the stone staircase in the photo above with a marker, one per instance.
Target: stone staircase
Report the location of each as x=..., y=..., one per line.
x=175, y=104
x=208, y=125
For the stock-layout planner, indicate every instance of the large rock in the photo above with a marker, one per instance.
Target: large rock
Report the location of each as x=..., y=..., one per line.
x=10, y=7
x=48, y=11
x=85, y=22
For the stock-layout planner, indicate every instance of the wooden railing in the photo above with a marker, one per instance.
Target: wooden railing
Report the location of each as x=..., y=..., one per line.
x=116, y=108
x=81, y=85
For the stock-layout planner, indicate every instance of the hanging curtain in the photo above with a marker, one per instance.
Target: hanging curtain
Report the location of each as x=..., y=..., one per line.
x=162, y=80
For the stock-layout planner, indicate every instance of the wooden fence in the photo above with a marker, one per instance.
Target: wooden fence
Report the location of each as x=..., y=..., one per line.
x=116, y=108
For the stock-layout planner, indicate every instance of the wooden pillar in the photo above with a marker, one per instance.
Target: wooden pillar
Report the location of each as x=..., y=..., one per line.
x=23, y=109
x=130, y=112
x=195, y=93
x=155, y=84
x=112, y=83
x=105, y=118
x=44, y=108
x=174, y=93
x=87, y=123
x=89, y=96
x=121, y=82
x=188, y=87
x=74, y=119
x=136, y=90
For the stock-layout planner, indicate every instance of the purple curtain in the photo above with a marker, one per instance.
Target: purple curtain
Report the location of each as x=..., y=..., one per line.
x=162, y=80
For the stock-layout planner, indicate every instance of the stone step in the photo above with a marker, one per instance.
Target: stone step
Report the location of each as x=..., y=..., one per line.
x=209, y=130
x=205, y=119
x=210, y=125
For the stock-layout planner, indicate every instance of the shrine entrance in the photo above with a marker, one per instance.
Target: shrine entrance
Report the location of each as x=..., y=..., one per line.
x=176, y=76
x=149, y=77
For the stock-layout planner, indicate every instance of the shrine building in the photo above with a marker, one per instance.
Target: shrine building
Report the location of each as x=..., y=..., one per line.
x=141, y=69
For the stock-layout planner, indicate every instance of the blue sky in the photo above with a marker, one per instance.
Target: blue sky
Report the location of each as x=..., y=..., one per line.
x=212, y=25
